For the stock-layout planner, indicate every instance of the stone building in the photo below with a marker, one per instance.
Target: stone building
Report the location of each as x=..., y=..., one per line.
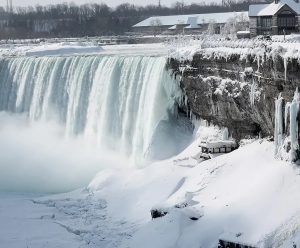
x=197, y=23
x=277, y=18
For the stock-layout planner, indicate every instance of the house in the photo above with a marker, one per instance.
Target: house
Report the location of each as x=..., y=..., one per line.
x=277, y=18
x=196, y=23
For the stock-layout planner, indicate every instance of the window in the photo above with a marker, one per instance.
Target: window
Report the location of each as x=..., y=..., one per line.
x=266, y=22
x=286, y=21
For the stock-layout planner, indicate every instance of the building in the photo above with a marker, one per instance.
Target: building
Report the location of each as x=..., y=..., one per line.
x=196, y=23
x=277, y=18
x=215, y=148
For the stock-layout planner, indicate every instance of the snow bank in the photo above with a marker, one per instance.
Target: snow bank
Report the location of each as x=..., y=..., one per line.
x=218, y=47
x=246, y=195
x=246, y=192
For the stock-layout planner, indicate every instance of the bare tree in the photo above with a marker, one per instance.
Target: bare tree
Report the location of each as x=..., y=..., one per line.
x=156, y=26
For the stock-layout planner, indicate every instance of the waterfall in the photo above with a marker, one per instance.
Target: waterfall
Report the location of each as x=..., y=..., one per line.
x=112, y=101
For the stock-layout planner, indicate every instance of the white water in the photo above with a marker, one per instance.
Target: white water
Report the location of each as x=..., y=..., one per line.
x=115, y=102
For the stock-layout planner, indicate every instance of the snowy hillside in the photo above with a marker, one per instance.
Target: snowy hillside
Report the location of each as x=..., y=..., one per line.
x=246, y=192
x=246, y=195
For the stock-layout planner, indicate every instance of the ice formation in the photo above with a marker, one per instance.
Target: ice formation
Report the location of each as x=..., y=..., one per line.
x=253, y=92
x=294, y=111
x=282, y=134
x=278, y=130
x=225, y=134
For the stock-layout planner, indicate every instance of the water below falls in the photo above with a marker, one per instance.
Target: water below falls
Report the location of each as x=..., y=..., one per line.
x=126, y=104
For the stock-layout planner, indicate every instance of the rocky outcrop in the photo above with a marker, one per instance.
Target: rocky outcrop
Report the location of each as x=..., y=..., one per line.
x=237, y=92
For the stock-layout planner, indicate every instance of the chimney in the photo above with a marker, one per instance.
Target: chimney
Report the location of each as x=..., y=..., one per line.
x=277, y=1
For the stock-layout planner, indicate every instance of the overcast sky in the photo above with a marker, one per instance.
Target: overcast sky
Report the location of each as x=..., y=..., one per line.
x=108, y=2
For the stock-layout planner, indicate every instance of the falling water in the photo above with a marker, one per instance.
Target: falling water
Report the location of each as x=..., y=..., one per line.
x=113, y=101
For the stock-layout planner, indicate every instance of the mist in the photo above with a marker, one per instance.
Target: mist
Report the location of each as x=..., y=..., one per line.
x=36, y=157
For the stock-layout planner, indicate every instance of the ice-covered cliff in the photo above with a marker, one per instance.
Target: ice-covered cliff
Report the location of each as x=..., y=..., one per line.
x=234, y=83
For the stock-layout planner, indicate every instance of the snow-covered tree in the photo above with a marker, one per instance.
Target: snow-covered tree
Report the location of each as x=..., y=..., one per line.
x=235, y=24
x=156, y=26
x=211, y=29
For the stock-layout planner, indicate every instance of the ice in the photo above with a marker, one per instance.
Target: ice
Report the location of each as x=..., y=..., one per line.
x=218, y=47
x=253, y=92
x=294, y=112
x=278, y=130
x=225, y=134
x=286, y=115
x=286, y=128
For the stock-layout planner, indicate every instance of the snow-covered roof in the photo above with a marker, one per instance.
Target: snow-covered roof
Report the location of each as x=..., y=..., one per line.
x=243, y=32
x=272, y=8
x=192, y=26
x=190, y=19
x=173, y=27
x=218, y=144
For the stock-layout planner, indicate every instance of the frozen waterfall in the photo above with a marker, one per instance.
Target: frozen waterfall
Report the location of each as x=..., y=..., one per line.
x=286, y=131
x=113, y=101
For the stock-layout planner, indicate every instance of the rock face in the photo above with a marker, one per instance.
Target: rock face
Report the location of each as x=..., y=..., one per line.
x=237, y=93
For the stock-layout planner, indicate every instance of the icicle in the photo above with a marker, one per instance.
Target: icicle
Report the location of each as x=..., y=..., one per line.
x=285, y=62
x=296, y=95
x=258, y=63
x=225, y=134
x=278, y=131
x=294, y=110
x=286, y=113
x=252, y=93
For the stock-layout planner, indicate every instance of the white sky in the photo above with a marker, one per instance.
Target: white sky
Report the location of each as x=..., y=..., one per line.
x=111, y=3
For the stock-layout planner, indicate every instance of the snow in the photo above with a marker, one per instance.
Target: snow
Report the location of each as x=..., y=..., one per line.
x=246, y=192
x=80, y=48
x=243, y=32
x=272, y=8
x=218, y=143
x=62, y=49
x=174, y=27
x=246, y=195
x=216, y=47
x=192, y=21
x=25, y=224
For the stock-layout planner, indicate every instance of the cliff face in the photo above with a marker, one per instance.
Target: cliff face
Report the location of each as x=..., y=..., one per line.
x=237, y=92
